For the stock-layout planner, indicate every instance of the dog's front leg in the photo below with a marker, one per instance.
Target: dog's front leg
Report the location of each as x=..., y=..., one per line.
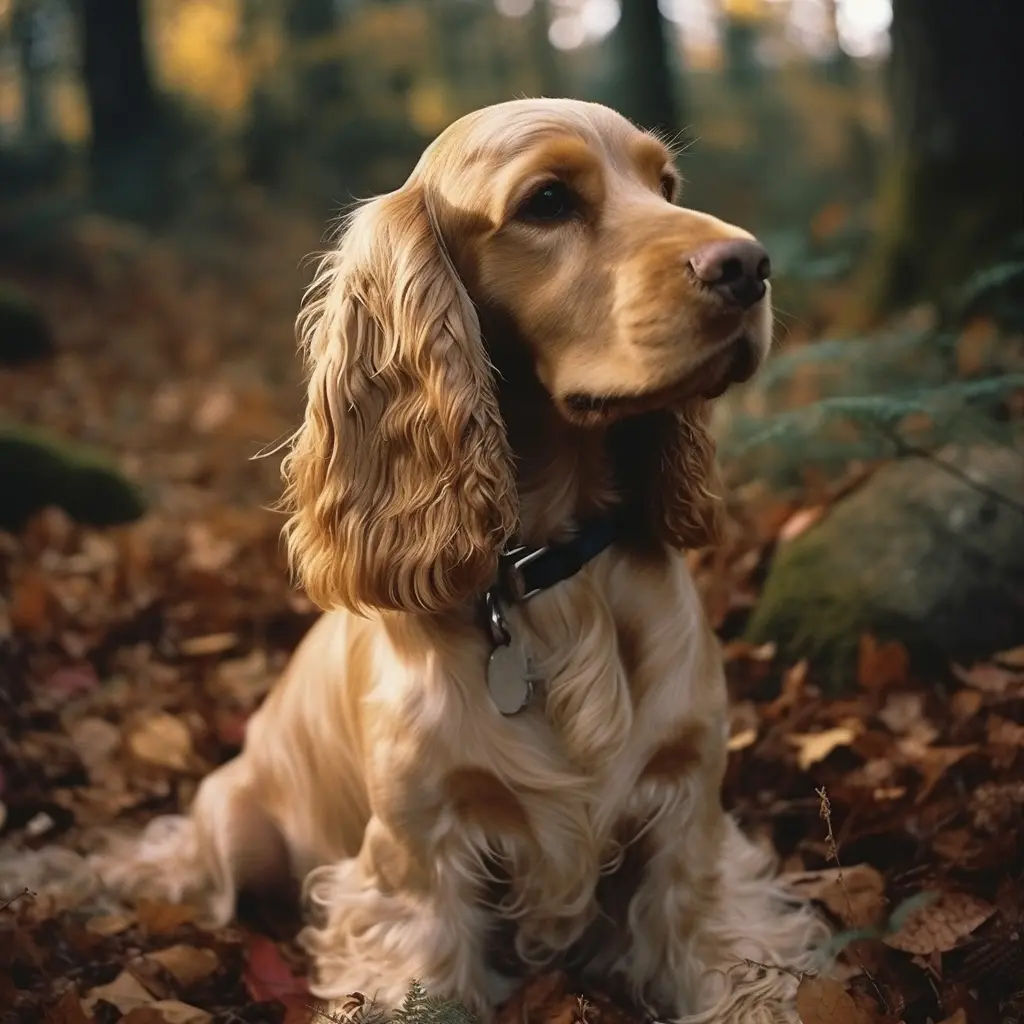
x=713, y=937
x=387, y=917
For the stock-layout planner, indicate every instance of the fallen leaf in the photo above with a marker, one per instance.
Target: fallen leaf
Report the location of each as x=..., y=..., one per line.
x=217, y=406
x=1013, y=658
x=107, y=925
x=167, y=1011
x=125, y=992
x=960, y=1017
x=69, y=1010
x=245, y=681
x=207, y=552
x=163, y=918
x=975, y=345
x=826, y=1001
x=931, y=763
x=816, y=746
x=965, y=704
x=791, y=693
x=856, y=895
x=880, y=666
x=267, y=976
x=212, y=643
x=742, y=740
x=162, y=740
x=989, y=678
x=186, y=964
x=904, y=713
x=1005, y=732
x=940, y=925
x=29, y=603
x=94, y=740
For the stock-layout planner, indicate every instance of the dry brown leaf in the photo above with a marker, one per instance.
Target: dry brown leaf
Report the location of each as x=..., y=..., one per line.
x=163, y=918
x=975, y=345
x=206, y=551
x=743, y=739
x=30, y=601
x=1005, y=732
x=938, y=927
x=880, y=666
x=186, y=964
x=107, y=925
x=816, y=746
x=930, y=762
x=904, y=713
x=964, y=704
x=211, y=643
x=856, y=895
x=960, y=1017
x=1013, y=658
x=94, y=740
x=990, y=678
x=69, y=1010
x=167, y=1011
x=791, y=693
x=125, y=992
x=826, y=1001
x=163, y=740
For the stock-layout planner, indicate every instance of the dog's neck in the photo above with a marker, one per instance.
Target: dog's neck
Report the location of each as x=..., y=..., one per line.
x=565, y=475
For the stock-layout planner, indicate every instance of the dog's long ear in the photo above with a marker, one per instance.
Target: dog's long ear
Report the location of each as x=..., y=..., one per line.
x=668, y=461
x=399, y=481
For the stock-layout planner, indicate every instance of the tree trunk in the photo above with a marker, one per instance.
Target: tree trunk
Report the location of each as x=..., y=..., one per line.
x=25, y=29
x=647, y=90
x=117, y=79
x=308, y=22
x=953, y=194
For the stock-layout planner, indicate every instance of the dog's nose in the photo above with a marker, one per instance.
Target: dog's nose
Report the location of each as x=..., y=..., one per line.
x=736, y=269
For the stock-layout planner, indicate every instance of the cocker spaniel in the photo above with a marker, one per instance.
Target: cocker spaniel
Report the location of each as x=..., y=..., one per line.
x=502, y=746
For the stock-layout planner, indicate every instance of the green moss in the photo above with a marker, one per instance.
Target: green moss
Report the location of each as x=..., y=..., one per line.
x=37, y=470
x=812, y=611
x=24, y=333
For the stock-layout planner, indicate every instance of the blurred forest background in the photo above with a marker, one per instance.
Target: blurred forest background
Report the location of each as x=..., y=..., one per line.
x=165, y=168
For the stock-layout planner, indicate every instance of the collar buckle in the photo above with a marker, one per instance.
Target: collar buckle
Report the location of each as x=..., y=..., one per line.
x=512, y=564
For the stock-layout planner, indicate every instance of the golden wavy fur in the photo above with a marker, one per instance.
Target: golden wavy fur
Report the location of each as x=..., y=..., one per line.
x=480, y=371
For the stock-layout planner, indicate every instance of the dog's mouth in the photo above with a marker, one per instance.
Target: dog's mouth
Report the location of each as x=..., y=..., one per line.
x=733, y=363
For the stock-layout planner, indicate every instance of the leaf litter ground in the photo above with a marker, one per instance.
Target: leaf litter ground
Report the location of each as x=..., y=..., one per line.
x=132, y=657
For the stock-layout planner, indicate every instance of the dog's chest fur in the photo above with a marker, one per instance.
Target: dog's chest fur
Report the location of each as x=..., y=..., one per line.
x=558, y=808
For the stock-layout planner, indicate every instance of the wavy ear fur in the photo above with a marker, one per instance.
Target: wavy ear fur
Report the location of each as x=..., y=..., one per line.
x=399, y=481
x=668, y=462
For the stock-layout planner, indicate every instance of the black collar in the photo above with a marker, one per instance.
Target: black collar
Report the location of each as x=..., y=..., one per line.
x=525, y=571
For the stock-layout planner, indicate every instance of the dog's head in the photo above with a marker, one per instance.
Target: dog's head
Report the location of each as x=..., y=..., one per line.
x=559, y=218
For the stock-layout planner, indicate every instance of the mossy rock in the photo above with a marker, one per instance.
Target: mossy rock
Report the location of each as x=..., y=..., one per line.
x=37, y=470
x=917, y=555
x=25, y=335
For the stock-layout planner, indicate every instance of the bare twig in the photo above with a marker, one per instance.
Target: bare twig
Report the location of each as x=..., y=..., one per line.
x=825, y=810
x=14, y=899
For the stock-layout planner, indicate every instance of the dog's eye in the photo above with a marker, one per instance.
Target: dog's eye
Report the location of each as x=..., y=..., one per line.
x=668, y=187
x=551, y=202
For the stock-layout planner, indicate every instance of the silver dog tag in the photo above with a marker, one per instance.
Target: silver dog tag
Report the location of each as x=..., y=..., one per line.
x=509, y=679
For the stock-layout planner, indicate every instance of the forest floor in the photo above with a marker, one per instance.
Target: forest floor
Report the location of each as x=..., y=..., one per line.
x=132, y=657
